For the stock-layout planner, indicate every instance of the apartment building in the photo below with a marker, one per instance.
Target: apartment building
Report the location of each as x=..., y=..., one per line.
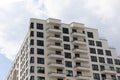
x=53, y=50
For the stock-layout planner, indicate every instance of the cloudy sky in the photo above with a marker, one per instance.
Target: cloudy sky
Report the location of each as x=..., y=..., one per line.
x=103, y=15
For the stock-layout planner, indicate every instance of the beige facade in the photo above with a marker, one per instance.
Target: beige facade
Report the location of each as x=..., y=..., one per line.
x=53, y=50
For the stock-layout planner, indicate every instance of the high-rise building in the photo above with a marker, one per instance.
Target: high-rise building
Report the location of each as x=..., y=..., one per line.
x=53, y=50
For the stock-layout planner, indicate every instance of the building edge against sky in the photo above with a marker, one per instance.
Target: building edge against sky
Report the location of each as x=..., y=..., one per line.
x=53, y=50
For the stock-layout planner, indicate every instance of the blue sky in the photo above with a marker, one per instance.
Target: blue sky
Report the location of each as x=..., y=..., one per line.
x=103, y=15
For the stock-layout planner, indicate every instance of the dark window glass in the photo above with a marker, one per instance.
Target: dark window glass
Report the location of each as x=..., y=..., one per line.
x=32, y=69
x=59, y=71
x=67, y=46
x=68, y=63
x=93, y=50
x=56, y=27
x=32, y=78
x=101, y=60
x=32, y=33
x=39, y=26
x=69, y=73
x=31, y=42
x=98, y=43
x=57, y=36
x=95, y=67
x=100, y=51
x=40, y=69
x=75, y=38
x=59, y=61
x=90, y=34
x=40, y=43
x=76, y=46
x=40, y=34
x=117, y=61
x=40, y=51
x=40, y=60
x=102, y=67
x=109, y=61
x=77, y=55
x=66, y=38
x=58, y=52
x=113, y=77
x=32, y=51
x=65, y=30
x=96, y=76
x=31, y=25
x=118, y=77
x=74, y=30
x=108, y=52
x=91, y=42
x=59, y=79
x=94, y=58
x=32, y=60
x=40, y=78
x=67, y=55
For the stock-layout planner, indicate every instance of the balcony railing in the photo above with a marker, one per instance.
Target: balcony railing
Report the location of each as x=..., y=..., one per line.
x=56, y=63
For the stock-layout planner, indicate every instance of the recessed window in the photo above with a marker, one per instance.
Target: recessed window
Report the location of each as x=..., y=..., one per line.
x=40, y=34
x=32, y=33
x=102, y=67
x=75, y=38
x=67, y=46
x=31, y=25
x=98, y=43
x=31, y=42
x=67, y=55
x=68, y=64
x=96, y=76
x=40, y=51
x=32, y=78
x=65, y=30
x=32, y=60
x=101, y=60
x=40, y=60
x=40, y=69
x=108, y=52
x=95, y=67
x=58, y=52
x=109, y=61
x=66, y=38
x=113, y=77
x=56, y=27
x=69, y=73
x=32, y=69
x=118, y=69
x=74, y=30
x=91, y=42
x=93, y=50
x=100, y=51
x=40, y=43
x=59, y=61
x=94, y=58
x=32, y=51
x=40, y=78
x=117, y=61
x=90, y=34
x=39, y=26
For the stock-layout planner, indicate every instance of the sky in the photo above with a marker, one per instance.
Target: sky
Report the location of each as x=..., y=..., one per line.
x=103, y=15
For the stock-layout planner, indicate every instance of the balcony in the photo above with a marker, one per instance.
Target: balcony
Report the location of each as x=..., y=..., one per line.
x=78, y=34
x=81, y=59
x=54, y=38
x=54, y=30
x=77, y=25
x=53, y=46
x=82, y=68
x=83, y=77
x=56, y=74
x=108, y=71
x=53, y=21
x=55, y=64
x=58, y=56
x=80, y=50
x=79, y=42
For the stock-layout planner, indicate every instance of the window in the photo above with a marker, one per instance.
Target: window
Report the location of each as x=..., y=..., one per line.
x=40, y=60
x=67, y=46
x=76, y=46
x=59, y=71
x=93, y=50
x=109, y=61
x=32, y=60
x=32, y=33
x=40, y=69
x=94, y=58
x=67, y=55
x=117, y=61
x=100, y=51
x=74, y=30
x=58, y=52
x=40, y=43
x=118, y=77
x=113, y=77
x=95, y=67
x=75, y=38
x=101, y=60
x=69, y=73
x=90, y=34
x=98, y=43
x=77, y=55
x=39, y=26
x=108, y=52
x=91, y=42
x=118, y=70
x=96, y=76
x=59, y=79
x=66, y=38
x=32, y=25
x=32, y=69
x=32, y=78
x=56, y=27
x=68, y=63
x=102, y=67
x=65, y=31
x=40, y=34
x=59, y=61
x=31, y=42
x=40, y=51
x=79, y=73
x=32, y=51
x=57, y=36
x=40, y=78
x=57, y=43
